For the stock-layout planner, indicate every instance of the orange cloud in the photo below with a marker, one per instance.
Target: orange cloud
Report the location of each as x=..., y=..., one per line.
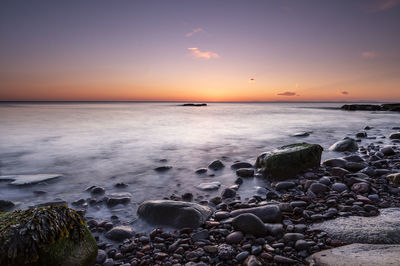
x=344, y=92
x=196, y=53
x=193, y=32
x=287, y=93
x=369, y=54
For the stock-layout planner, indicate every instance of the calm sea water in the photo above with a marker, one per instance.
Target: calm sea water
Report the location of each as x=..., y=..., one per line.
x=106, y=143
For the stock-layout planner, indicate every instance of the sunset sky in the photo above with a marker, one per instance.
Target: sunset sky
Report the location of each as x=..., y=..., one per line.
x=200, y=50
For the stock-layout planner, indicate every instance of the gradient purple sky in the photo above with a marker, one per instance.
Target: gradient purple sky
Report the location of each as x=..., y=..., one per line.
x=200, y=50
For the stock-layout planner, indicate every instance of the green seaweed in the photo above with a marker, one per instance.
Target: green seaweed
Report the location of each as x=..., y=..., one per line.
x=42, y=236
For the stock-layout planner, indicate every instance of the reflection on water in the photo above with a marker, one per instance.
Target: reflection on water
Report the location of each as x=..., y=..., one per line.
x=103, y=144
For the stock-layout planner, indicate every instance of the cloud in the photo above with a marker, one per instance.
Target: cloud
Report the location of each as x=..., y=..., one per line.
x=194, y=31
x=252, y=80
x=196, y=53
x=369, y=54
x=287, y=93
x=344, y=92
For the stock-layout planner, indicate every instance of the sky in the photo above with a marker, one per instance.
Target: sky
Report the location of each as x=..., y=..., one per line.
x=308, y=50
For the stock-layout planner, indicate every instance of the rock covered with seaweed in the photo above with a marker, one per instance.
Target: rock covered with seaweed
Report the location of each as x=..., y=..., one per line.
x=52, y=235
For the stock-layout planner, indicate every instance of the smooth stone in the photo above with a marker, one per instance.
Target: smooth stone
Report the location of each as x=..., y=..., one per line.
x=318, y=188
x=289, y=160
x=118, y=198
x=203, y=234
x=354, y=158
x=339, y=187
x=337, y=171
x=274, y=229
x=336, y=162
x=242, y=255
x=267, y=213
x=347, y=144
x=288, y=237
x=239, y=165
x=228, y=193
x=221, y=215
x=245, y=172
x=301, y=134
x=395, y=135
x=382, y=229
x=101, y=256
x=357, y=254
x=361, y=135
x=120, y=233
x=249, y=223
x=284, y=260
x=354, y=166
x=209, y=186
x=177, y=214
x=21, y=180
x=234, y=238
x=369, y=171
x=394, y=178
x=216, y=165
x=360, y=187
x=284, y=185
x=301, y=244
x=97, y=191
x=387, y=151
x=325, y=180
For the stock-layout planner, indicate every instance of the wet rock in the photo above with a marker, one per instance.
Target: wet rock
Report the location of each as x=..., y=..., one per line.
x=239, y=165
x=97, y=191
x=101, y=256
x=336, y=162
x=288, y=237
x=284, y=185
x=120, y=185
x=163, y=168
x=274, y=229
x=245, y=172
x=355, y=166
x=360, y=187
x=234, y=238
x=242, y=256
x=382, y=229
x=395, y=135
x=120, y=233
x=228, y=193
x=284, y=260
x=21, y=180
x=249, y=223
x=337, y=171
x=289, y=160
x=369, y=171
x=203, y=234
x=358, y=254
x=347, y=144
x=301, y=134
x=268, y=213
x=118, y=198
x=177, y=214
x=318, y=188
x=201, y=171
x=209, y=186
x=361, y=135
x=388, y=151
x=216, y=165
x=354, y=158
x=6, y=205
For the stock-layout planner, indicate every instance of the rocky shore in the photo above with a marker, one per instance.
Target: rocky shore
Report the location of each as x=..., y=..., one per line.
x=310, y=213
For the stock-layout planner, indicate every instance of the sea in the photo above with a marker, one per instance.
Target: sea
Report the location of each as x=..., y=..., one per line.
x=102, y=144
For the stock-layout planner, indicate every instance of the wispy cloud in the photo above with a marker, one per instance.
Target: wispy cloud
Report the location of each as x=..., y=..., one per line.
x=344, y=92
x=196, y=53
x=381, y=5
x=369, y=54
x=194, y=31
x=287, y=93
x=252, y=80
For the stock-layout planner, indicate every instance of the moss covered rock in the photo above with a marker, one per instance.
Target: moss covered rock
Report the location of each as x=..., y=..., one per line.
x=52, y=235
x=287, y=161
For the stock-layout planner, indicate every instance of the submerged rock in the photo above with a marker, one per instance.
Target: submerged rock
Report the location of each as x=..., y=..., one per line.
x=120, y=233
x=6, y=205
x=209, y=186
x=20, y=180
x=395, y=135
x=245, y=172
x=118, y=198
x=358, y=254
x=382, y=229
x=46, y=236
x=163, y=168
x=239, y=165
x=301, y=134
x=177, y=214
x=347, y=144
x=216, y=165
x=289, y=160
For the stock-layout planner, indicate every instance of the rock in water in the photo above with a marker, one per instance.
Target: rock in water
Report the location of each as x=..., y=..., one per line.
x=177, y=214
x=54, y=235
x=20, y=180
x=395, y=135
x=216, y=165
x=289, y=160
x=358, y=254
x=6, y=205
x=347, y=144
x=120, y=233
x=382, y=229
x=239, y=165
x=209, y=186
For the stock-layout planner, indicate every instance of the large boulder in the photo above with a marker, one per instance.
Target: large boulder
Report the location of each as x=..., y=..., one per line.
x=52, y=235
x=287, y=161
x=382, y=229
x=178, y=214
x=347, y=144
x=357, y=254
